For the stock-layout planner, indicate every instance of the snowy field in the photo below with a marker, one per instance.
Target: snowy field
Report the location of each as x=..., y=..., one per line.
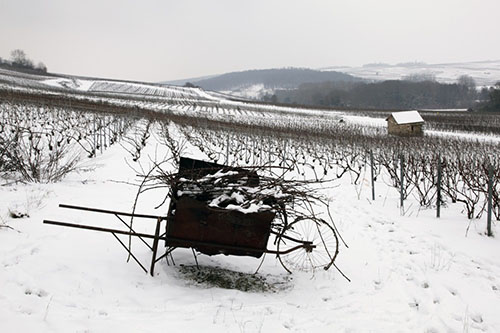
x=413, y=273
x=409, y=271
x=485, y=73
x=382, y=123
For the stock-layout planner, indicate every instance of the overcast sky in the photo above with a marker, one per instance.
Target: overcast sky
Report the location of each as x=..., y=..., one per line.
x=156, y=40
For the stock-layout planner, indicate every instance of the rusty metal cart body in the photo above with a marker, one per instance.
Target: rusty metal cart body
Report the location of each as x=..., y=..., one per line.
x=192, y=223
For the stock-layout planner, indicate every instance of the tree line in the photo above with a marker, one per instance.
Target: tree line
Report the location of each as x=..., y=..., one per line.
x=491, y=99
x=19, y=60
x=413, y=92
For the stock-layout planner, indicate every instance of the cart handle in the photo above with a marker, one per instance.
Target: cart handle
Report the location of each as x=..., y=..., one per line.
x=105, y=211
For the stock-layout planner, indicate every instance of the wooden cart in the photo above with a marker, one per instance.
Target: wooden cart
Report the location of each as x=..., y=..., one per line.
x=193, y=223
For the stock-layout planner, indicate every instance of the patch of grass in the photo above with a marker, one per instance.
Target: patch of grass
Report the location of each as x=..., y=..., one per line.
x=223, y=278
x=16, y=214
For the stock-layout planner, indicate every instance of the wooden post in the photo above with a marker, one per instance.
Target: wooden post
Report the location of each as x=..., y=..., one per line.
x=372, y=174
x=95, y=138
x=401, y=160
x=155, y=246
x=438, y=200
x=283, y=158
x=227, y=150
x=246, y=150
x=269, y=152
x=490, y=194
x=253, y=151
x=104, y=132
x=100, y=135
x=110, y=131
x=260, y=153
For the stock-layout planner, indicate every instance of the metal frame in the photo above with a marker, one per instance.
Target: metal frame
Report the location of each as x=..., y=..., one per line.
x=157, y=237
x=131, y=232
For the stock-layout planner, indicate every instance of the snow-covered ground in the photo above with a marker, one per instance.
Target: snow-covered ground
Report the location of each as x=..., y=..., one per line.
x=255, y=91
x=382, y=123
x=410, y=273
x=485, y=73
x=80, y=85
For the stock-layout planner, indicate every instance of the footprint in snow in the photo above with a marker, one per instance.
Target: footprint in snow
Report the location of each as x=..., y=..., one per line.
x=26, y=311
x=39, y=293
x=477, y=318
x=414, y=304
x=432, y=330
x=289, y=325
x=377, y=284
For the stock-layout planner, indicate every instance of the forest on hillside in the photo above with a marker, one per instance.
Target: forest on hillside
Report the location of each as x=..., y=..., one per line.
x=411, y=93
x=21, y=62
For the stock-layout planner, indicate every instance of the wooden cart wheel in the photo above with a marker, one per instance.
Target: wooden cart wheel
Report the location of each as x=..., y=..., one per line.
x=306, y=258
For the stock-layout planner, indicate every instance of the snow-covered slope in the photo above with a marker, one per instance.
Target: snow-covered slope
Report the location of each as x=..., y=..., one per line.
x=255, y=91
x=485, y=73
x=411, y=273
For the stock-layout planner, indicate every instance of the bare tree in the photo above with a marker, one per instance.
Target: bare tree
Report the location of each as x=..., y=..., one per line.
x=41, y=67
x=18, y=57
x=467, y=81
x=420, y=77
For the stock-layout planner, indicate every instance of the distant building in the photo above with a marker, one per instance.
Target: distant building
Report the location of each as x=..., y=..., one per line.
x=405, y=123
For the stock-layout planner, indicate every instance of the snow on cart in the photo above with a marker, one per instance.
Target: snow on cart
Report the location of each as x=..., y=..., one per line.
x=216, y=209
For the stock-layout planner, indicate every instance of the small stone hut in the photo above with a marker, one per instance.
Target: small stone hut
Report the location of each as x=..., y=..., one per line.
x=405, y=123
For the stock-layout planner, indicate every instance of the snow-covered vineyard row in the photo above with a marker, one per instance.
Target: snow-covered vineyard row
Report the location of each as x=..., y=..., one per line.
x=409, y=270
x=336, y=140
x=464, y=175
x=130, y=88
x=198, y=103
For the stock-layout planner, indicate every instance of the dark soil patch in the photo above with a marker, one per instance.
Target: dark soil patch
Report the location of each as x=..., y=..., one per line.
x=223, y=278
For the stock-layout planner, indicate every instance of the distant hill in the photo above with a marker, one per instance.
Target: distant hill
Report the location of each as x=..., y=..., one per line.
x=255, y=83
x=259, y=83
